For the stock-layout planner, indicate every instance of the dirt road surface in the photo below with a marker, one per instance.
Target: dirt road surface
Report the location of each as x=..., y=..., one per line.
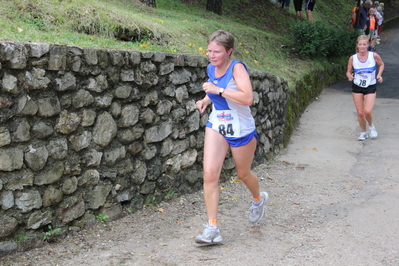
x=333, y=201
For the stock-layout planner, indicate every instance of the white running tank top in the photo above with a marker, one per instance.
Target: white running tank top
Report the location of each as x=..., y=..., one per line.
x=364, y=71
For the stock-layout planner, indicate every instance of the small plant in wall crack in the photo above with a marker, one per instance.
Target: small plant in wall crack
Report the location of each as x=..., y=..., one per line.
x=101, y=217
x=23, y=238
x=51, y=233
x=151, y=201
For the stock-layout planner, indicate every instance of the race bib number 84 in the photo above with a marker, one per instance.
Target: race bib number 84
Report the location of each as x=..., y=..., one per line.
x=226, y=122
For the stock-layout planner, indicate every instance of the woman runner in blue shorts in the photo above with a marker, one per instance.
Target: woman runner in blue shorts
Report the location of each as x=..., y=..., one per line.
x=230, y=126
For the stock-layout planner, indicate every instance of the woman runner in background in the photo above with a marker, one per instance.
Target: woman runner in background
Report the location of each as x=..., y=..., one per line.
x=362, y=69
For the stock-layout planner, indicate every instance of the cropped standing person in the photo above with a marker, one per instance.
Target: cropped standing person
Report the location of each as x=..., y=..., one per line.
x=372, y=25
x=309, y=5
x=230, y=126
x=298, y=7
x=284, y=4
x=380, y=10
x=362, y=17
x=362, y=69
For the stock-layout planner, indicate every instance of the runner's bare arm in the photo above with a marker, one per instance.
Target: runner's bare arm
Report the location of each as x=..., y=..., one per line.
x=381, y=66
x=349, y=70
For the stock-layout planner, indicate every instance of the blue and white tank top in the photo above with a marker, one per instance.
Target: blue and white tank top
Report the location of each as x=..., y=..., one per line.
x=226, y=81
x=364, y=71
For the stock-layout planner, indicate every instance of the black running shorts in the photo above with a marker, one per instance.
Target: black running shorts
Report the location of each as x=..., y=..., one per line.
x=369, y=90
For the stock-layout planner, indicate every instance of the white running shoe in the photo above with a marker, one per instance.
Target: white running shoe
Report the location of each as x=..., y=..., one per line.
x=256, y=212
x=210, y=235
x=363, y=136
x=373, y=132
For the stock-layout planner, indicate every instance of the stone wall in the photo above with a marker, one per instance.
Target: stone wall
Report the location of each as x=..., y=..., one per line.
x=85, y=131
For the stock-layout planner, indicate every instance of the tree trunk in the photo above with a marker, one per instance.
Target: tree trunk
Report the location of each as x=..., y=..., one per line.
x=150, y=3
x=214, y=6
